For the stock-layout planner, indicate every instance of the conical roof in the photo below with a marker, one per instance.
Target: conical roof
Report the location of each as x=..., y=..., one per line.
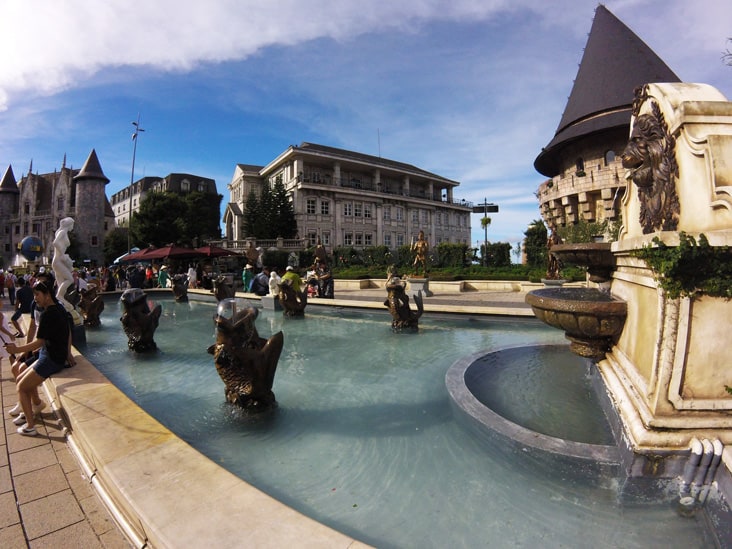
x=8, y=183
x=614, y=63
x=91, y=169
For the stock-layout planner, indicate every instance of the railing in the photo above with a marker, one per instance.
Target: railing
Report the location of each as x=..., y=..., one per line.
x=358, y=184
x=293, y=244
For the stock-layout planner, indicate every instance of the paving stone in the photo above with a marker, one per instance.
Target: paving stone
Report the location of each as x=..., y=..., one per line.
x=31, y=459
x=46, y=515
x=78, y=535
x=12, y=537
x=6, y=482
x=8, y=510
x=40, y=483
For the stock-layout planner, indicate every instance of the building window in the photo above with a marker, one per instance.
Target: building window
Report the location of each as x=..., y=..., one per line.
x=60, y=202
x=387, y=213
x=425, y=216
x=359, y=239
x=312, y=238
x=201, y=187
x=400, y=239
x=26, y=207
x=94, y=240
x=25, y=228
x=325, y=207
x=368, y=239
x=325, y=239
x=348, y=209
x=400, y=215
x=357, y=209
x=348, y=239
x=609, y=157
x=36, y=228
x=579, y=167
x=439, y=218
x=415, y=216
x=17, y=229
x=387, y=240
x=367, y=211
x=185, y=186
x=310, y=206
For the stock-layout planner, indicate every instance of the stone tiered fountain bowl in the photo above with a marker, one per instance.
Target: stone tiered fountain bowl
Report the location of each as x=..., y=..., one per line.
x=591, y=319
x=596, y=256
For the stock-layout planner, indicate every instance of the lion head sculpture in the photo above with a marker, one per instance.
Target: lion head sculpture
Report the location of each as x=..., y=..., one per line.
x=650, y=158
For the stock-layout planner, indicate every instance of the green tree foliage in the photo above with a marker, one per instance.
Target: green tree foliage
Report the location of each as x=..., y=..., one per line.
x=115, y=244
x=252, y=215
x=166, y=218
x=283, y=219
x=158, y=222
x=498, y=254
x=204, y=213
x=271, y=214
x=535, y=244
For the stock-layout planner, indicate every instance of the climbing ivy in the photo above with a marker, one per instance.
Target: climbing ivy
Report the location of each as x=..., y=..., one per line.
x=690, y=269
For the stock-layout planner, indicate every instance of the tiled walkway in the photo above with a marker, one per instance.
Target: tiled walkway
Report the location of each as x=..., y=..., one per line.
x=45, y=499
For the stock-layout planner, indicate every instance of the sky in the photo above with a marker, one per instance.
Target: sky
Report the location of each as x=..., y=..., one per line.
x=470, y=90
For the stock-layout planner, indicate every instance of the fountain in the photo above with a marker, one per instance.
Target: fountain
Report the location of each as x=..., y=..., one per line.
x=666, y=367
x=364, y=439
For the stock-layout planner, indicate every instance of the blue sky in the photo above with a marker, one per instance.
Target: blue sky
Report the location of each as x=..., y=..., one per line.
x=468, y=89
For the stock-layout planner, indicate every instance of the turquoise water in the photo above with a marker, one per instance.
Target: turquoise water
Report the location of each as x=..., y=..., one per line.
x=364, y=439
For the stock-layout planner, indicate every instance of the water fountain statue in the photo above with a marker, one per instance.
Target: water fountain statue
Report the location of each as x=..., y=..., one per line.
x=139, y=321
x=245, y=362
x=666, y=366
x=222, y=289
x=91, y=305
x=397, y=300
x=293, y=303
x=180, y=288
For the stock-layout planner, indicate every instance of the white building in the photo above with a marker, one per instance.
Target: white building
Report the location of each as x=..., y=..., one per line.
x=346, y=198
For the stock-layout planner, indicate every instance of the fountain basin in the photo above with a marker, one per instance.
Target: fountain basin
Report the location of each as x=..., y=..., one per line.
x=596, y=256
x=591, y=319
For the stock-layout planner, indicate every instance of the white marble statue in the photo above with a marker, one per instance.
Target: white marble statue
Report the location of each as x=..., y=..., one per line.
x=61, y=263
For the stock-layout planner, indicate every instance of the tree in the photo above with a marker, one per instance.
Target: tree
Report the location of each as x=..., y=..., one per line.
x=283, y=222
x=203, y=216
x=271, y=214
x=535, y=244
x=115, y=244
x=159, y=221
x=485, y=222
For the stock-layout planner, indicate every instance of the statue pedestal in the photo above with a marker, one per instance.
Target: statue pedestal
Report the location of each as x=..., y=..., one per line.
x=271, y=302
x=420, y=284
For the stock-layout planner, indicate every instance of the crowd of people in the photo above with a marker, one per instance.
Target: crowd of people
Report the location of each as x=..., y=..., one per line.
x=318, y=280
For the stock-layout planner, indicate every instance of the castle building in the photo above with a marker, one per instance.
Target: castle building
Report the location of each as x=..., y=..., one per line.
x=346, y=198
x=583, y=159
x=128, y=200
x=34, y=206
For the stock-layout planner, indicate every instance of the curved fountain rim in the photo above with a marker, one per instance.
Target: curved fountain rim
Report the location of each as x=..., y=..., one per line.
x=463, y=398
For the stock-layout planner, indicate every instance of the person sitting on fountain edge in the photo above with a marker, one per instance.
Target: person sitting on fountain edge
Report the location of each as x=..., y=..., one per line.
x=260, y=283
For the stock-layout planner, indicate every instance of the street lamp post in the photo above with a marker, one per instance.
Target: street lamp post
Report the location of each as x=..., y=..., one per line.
x=484, y=208
x=138, y=129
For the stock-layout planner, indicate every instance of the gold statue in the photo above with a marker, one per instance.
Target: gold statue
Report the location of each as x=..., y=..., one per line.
x=420, y=249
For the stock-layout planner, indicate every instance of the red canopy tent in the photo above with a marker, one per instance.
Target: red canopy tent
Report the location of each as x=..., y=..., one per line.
x=215, y=251
x=166, y=252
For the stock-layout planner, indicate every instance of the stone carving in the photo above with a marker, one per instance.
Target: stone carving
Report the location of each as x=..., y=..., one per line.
x=554, y=265
x=61, y=263
x=651, y=161
x=91, y=305
x=222, y=289
x=293, y=303
x=403, y=318
x=180, y=288
x=420, y=249
x=245, y=361
x=139, y=321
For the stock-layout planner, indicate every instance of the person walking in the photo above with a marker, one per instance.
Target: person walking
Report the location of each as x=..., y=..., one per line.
x=52, y=344
x=10, y=285
x=23, y=304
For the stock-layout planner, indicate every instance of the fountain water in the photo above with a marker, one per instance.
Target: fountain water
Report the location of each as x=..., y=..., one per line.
x=364, y=439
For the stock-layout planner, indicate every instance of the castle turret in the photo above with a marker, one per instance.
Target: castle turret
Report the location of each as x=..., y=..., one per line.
x=90, y=206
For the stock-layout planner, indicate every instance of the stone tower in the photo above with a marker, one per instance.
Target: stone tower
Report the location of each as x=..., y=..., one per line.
x=583, y=157
x=90, y=209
